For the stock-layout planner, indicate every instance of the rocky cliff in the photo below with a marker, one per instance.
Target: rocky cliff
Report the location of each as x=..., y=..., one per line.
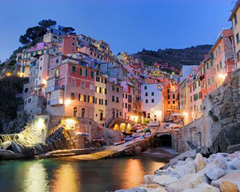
x=219, y=128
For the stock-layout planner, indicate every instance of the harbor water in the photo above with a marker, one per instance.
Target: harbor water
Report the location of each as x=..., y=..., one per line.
x=63, y=175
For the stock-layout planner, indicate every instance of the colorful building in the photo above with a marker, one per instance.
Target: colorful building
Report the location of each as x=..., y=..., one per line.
x=127, y=98
x=152, y=101
x=235, y=18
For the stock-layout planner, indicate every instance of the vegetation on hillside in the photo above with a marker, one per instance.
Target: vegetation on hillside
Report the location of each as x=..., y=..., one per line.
x=175, y=57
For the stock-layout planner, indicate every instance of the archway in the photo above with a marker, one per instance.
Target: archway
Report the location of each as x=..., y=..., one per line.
x=75, y=111
x=83, y=113
x=123, y=127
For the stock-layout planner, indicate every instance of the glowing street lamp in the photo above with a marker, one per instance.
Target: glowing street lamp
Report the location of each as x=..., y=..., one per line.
x=222, y=76
x=67, y=103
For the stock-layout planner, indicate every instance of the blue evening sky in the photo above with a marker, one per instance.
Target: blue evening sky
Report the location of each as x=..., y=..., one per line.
x=127, y=25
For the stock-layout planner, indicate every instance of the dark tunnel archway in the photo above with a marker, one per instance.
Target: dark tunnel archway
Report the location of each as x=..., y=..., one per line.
x=163, y=141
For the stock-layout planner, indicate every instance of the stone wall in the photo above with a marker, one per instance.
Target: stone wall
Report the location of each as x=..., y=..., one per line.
x=219, y=128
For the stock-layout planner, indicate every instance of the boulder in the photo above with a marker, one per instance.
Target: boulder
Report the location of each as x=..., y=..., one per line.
x=227, y=186
x=199, y=162
x=190, y=181
x=234, y=164
x=204, y=187
x=214, y=172
x=148, y=179
x=233, y=176
x=138, y=150
x=164, y=179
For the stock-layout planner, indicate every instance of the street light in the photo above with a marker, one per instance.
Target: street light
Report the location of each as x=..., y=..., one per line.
x=67, y=103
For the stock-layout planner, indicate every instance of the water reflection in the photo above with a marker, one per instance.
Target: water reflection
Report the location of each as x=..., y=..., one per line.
x=65, y=179
x=72, y=176
x=35, y=178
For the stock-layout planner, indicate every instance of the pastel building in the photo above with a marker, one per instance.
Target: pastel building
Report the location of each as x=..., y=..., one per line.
x=71, y=90
x=235, y=18
x=152, y=101
x=114, y=101
x=100, y=103
x=127, y=98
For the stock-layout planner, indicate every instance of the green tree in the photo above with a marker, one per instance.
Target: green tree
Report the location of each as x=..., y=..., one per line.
x=47, y=23
x=68, y=29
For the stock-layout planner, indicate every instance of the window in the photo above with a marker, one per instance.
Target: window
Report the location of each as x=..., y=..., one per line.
x=80, y=71
x=173, y=102
x=220, y=64
x=97, y=79
x=92, y=74
x=86, y=73
x=74, y=69
x=113, y=98
x=85, y=98
x=148, y=115
x=83, y=113
x=125, y=96
x=145, y=87
x=152, y=93
x=106, y=102
x=117, y=99
x=168, y=102
x=215, y=54
x=83, y=84
x=191, y=98
x=213, y=80
x=79, y=97
x=237, y=38
x=168, y=96
x=152, y=100
x=173, y=96
x=217, y=67
x=117, y=89
x=207, y=65
x=146, y=101
x=219, y=49
x=209, y=82
x=75, y=111
x=126, y=105
x=72, y=96
x=235, y=19
x=203, y=84
x=146, y=94
x=113, y=88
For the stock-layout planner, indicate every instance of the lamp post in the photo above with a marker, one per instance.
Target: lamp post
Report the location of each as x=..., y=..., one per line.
x=67, y=103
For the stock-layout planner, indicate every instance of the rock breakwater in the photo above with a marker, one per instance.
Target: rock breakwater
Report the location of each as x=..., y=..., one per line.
x=191, y=172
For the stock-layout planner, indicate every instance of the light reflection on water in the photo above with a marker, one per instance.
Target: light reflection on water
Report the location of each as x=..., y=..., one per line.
x=71, y=176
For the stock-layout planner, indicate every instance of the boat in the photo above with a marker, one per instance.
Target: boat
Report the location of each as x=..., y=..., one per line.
x=148, y=135
x=135, y=135
x=82, y=134
x=128, y=138
x=127, y=134
x=97, y=139
x=139, y=131
x=119, y=142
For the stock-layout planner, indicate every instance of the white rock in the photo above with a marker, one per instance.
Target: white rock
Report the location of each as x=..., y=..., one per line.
x=159, y=189
x=148, y=179
x=234, y=163
x=190, y=181
x=214, y=172
x=137, y=189
x=187, y=168
x=199, y=162
x=164, y=179
x=233, y=176
x=203, y=187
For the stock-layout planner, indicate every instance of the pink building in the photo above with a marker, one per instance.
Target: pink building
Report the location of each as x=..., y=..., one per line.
x=67, y=45
x=127, y=99
x=70, y=90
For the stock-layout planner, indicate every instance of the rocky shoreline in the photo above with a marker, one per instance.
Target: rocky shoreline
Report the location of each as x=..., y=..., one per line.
x=191, y=172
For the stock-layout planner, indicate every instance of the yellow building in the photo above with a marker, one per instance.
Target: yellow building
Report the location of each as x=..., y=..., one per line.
x=235, y=19
x=100, y=101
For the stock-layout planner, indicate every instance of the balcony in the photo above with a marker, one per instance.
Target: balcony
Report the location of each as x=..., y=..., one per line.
x=52, y=88
x=55, y=102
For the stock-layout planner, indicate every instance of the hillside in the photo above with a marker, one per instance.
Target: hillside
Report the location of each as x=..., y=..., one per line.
x=175, y=57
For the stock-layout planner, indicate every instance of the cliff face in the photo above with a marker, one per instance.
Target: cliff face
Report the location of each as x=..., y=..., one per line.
x=11, y=104
x=219, y=128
